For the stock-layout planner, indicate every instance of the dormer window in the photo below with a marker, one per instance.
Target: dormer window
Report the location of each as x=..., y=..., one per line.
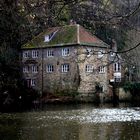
x=49, y=37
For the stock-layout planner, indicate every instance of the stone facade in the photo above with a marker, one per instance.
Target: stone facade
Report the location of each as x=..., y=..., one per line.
x=77, y=78
x=70, y=67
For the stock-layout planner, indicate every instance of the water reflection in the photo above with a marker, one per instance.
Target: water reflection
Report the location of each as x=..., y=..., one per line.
x=72, y=123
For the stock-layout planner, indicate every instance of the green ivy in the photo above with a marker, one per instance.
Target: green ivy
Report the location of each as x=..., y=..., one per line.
x=134, y=88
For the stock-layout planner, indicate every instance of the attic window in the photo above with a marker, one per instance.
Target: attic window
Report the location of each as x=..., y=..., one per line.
x=49, y=37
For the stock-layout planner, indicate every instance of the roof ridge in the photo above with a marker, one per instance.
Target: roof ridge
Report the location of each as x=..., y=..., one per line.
x=65, y=35
x=78, y=36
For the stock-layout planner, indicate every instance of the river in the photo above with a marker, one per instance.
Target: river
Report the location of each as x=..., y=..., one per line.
x=72, y=122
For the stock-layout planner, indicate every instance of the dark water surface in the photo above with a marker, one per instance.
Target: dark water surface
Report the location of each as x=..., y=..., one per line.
x=72, y=122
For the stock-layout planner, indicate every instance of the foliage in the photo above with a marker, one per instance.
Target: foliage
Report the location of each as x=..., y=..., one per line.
x=21, y=20
x=100, y=17
x=134, y=88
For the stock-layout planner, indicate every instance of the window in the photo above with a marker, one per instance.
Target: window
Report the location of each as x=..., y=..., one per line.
x=50, y=53
x=89, y=68
x=89, y=52
x=26, y=54
x=35, y=69
x=50, y=36
x=49, y=68
x=33, y=82
x=35, y=54
x=100, y=53
x=117, y=67
x=65, y=52
x=65, y=67
x=26, y=69
x=47, y=39
x=117, y=78
x=101, y=69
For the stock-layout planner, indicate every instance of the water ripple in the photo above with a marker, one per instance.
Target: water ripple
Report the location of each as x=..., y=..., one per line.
x=99, y=115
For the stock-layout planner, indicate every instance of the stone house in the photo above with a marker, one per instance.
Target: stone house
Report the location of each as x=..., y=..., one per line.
x=66, y=59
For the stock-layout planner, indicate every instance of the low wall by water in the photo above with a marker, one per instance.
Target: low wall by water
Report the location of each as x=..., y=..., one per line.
x=124, y=95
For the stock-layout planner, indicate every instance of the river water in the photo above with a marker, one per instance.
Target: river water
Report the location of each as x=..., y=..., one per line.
x=72, y=122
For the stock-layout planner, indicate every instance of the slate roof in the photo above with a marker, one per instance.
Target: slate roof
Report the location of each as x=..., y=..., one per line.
x=64, y=36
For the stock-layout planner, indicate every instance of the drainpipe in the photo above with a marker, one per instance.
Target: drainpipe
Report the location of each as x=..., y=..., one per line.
x=42, y=70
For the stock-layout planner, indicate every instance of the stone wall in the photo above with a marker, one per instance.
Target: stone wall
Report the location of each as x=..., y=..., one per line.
x=124, y=96
x=76, y=79
x=30, y=62
x=88, y=80
x=59, y=81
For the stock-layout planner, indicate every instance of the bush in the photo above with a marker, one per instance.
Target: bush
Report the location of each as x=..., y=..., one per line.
x=134, y=88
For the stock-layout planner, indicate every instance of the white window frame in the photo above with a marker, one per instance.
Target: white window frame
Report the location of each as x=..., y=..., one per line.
x=35, y=53
x=33, y=82
x=34, y=69
x=117, y=78
x=25, y=69
x=65, y=67
x=25, y=54
x=65, y=51
x=89, y=68
x=47, y=38
x=101, y=69
x=50, y=36
x=49, y=68
x=100, y=53
x=50, y=53
x=117, y=67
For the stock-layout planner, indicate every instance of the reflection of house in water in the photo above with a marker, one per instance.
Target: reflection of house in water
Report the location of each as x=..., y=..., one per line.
x=68, y=59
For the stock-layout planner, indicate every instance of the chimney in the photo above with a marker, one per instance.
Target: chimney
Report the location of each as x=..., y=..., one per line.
x=114, y=45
